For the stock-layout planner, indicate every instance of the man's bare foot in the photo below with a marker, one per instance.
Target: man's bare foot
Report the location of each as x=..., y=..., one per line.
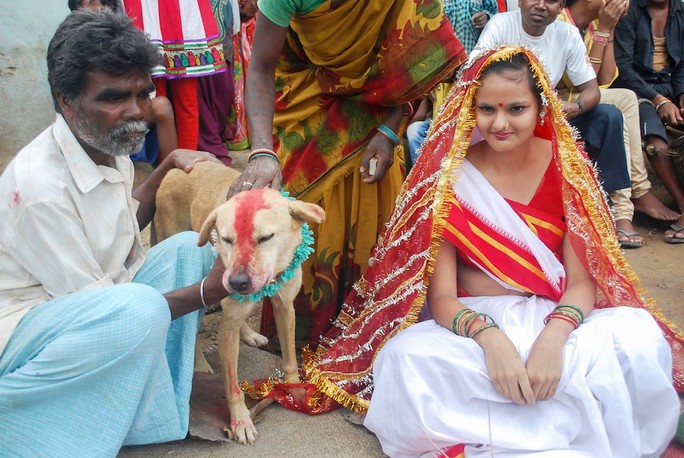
x=653, y=207
x=626, y=235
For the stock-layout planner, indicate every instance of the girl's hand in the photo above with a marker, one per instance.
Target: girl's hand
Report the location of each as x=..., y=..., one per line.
x=545, y=363
x=505, y=368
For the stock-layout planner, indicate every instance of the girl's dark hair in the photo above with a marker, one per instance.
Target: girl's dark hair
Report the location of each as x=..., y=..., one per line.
x=95, y=41
x=517, y=62
x=111, y=4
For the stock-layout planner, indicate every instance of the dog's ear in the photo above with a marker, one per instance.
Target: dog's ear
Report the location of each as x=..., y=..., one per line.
x=305, y=211
x=207, y=226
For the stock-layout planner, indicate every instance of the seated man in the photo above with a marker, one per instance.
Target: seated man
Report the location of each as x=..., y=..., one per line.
x=561, y=50
x=96, y=336
x=596, y=23
x=649, y=50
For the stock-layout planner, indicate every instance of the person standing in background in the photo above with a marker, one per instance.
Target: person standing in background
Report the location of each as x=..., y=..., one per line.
x=186, y=34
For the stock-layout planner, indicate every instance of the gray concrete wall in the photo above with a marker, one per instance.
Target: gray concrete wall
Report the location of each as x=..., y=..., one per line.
x=25, y=31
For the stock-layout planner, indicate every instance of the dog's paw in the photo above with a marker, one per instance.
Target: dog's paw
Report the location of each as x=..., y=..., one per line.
x=242, y=431
x=251, y=337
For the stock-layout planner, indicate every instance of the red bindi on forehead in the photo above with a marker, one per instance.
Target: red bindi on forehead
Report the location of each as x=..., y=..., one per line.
x=247, y=206
x=500, y=104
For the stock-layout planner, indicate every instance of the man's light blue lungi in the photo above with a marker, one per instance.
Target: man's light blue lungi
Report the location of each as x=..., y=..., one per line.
x=86, y=373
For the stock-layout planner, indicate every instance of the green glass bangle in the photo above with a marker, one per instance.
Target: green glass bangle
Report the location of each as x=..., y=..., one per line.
x=389, y=133
x=573, y=307
x=484, y=328
x=469, y=320
x=454, y=324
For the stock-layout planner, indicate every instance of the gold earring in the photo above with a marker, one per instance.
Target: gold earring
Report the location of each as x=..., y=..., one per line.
x=541, y=117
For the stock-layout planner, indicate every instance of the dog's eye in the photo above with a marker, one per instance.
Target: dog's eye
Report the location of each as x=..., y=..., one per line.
x=265, y=238
x=227, y=240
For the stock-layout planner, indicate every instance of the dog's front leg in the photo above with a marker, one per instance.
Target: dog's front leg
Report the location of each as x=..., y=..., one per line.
x=241, y=423
x=283, y=309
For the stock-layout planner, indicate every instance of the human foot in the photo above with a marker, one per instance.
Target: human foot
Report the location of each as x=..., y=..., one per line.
x=676, y=232
x=627, y=236
x=653, y=207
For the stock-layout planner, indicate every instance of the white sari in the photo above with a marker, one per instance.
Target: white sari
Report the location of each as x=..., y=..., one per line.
x=432, y=389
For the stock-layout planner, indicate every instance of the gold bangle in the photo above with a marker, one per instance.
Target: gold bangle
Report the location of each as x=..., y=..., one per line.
x=595, y=60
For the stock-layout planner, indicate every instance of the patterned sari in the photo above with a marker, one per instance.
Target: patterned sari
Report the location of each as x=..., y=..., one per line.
x=338, y=76
x=390, y=295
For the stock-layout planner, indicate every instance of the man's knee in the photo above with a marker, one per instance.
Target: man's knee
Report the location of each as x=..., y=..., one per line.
x=137, y=303
x=608, y=116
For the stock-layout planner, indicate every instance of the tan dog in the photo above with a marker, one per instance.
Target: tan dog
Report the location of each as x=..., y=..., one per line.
x=257, y=235
x=184, y=201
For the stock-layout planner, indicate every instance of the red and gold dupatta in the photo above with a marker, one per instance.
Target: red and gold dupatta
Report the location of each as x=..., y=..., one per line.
x=391, y=293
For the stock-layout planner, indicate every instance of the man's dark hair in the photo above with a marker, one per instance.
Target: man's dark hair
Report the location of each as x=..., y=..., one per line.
x=112, y=4
x=95, y=41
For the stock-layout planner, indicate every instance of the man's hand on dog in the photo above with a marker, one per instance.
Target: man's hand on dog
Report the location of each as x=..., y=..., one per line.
x=185, y=159
x=214, y=289
x=259, y=173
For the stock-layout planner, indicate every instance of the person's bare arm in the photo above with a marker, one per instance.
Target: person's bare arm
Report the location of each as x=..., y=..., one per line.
x=504, y=365
x=545, y=362
x=167, y=136
x=381, y=148
x=589, y=96
x=189, y=299
x=609, y=15
x=260, y=106
x=146, y=193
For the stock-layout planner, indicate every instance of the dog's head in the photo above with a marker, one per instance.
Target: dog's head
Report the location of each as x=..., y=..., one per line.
x=258, y=232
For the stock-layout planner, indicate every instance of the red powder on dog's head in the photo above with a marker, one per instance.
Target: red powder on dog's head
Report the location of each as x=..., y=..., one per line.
x=247, y=205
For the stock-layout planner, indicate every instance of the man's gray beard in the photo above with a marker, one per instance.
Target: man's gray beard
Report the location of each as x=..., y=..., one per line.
x=115, y=143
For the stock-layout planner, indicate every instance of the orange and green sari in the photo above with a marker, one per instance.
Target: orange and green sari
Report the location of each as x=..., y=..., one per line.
x=344, y=66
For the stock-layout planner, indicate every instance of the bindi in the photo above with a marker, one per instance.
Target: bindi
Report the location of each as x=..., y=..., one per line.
x=500, y=105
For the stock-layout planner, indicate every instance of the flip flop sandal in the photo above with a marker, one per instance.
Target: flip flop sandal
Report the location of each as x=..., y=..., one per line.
x=674, y=239
x=627, y=243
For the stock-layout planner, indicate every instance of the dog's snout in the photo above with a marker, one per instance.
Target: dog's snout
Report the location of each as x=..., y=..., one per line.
x=239, y=282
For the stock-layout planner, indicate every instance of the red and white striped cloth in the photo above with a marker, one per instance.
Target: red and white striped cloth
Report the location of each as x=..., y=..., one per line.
x=185, y=32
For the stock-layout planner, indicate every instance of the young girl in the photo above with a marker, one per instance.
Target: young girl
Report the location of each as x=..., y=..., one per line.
x=539, y=342
x=516, y=360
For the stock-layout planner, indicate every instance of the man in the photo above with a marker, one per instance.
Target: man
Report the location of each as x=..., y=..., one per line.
x=561, y=51
x=649, y=51
x=596, y=22
x=90, y=358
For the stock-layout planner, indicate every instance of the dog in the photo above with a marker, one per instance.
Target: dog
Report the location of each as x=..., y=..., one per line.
x=257, y=235
x=184, y=200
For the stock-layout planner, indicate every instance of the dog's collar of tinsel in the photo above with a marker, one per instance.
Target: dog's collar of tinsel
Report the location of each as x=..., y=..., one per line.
x=301, y=254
